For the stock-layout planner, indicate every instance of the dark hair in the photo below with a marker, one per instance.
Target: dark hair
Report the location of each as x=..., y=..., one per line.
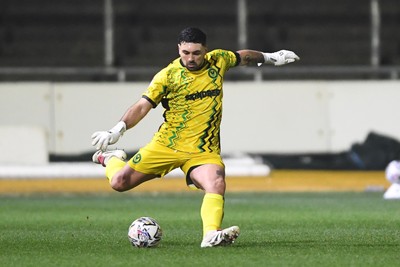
x=192, y=35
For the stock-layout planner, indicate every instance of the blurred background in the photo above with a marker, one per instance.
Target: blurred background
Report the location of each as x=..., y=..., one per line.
x=69, y=68
x=107, y=40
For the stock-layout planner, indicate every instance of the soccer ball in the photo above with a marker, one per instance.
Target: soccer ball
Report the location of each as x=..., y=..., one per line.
x=393, y=172
x=144, y=232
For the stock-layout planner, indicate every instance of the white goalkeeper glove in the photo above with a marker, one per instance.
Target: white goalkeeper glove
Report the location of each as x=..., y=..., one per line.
x=102, y=139
x=282, y=57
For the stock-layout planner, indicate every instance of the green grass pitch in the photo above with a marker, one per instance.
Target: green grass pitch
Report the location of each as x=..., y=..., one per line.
x=278, y=229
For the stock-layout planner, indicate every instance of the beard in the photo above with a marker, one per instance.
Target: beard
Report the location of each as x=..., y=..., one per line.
x=193, y=66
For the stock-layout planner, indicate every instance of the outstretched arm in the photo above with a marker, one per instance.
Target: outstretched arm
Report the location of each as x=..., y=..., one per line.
x=132, y=116
x=136, y=113
x=252, y=57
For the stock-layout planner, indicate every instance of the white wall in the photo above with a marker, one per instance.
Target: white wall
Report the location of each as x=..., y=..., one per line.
x=308, y=116
x=272, y=117
x=82, y=109
x=356, y=108
x=275, y=117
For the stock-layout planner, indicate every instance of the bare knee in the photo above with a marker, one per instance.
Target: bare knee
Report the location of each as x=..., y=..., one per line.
x=120, y=182
x=210, y=178
x=219, y=185
x=127, y=179
x=214, y=185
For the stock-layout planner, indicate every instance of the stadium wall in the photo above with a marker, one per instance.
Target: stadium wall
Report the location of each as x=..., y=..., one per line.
x=259, y=117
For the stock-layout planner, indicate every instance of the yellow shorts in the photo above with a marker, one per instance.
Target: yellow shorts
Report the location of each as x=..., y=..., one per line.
x=160, y=160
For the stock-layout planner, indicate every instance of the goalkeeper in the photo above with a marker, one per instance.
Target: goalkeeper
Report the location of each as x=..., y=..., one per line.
x=190, y=90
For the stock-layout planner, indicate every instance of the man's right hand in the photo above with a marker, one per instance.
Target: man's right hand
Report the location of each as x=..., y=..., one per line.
x=102, y=139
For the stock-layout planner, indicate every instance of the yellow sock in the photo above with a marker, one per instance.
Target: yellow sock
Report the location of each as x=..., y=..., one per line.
x=114, y=164
x=212, y=212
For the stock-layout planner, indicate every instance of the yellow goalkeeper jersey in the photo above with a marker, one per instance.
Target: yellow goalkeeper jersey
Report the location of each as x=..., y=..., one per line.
x=192, y=102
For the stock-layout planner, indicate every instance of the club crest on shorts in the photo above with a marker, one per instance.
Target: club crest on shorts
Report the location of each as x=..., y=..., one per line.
x=137, y=158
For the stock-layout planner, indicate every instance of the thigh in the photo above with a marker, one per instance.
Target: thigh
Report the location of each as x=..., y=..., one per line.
x=148, y=163
x=128, y=178
x=210, y=178
x=205, y=171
